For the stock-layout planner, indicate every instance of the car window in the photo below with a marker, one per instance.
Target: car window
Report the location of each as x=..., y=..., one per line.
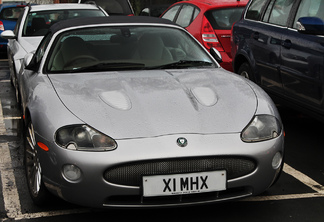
x=224, y=18
x=280, y=12
x=114, y=7
x=255, y=9
x=126, y=48
x=310, y=8
x=42, y=48
x=185, y=15
x=37, y=23
x=11, y=13
x=268, y=11
x=171, y=13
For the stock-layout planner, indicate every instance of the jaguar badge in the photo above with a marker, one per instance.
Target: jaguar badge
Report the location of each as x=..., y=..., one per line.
x=182, y=142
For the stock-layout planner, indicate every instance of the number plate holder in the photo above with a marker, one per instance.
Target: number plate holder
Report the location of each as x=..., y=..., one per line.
x=179, y=184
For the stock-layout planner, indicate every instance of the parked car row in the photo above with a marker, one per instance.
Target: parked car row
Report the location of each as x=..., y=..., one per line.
x=278, y=44
x=33, y=24
x=133, y=111
x=10, y=12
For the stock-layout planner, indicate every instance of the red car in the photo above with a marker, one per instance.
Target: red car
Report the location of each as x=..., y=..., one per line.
x=210, y=22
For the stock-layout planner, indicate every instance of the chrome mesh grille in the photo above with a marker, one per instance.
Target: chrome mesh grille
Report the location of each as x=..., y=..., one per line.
x=131, y=174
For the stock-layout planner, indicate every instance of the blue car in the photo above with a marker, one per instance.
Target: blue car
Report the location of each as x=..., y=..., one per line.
x=280, y=46
x=9, y=14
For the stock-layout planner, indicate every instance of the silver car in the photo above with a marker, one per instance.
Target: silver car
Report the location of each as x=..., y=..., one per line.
x=134, y=112
x=33, y=24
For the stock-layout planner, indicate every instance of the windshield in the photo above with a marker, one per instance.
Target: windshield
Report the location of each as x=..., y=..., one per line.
x=126, y=48
x=38, y=23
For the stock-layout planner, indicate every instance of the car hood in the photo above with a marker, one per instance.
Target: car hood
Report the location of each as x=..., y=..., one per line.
x=139, y=104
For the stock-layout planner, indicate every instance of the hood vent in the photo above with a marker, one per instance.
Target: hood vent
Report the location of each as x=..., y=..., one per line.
x=116, y=99
x=205, y=96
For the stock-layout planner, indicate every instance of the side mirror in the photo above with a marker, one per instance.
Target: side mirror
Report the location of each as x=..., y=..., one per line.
x=8, y=34
x=27, y=59
x=216, y=54
x=29, y=62
x=310, y=25
x=145, y=12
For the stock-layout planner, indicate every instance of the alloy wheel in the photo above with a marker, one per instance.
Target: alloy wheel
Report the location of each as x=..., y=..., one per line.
x=33, y=168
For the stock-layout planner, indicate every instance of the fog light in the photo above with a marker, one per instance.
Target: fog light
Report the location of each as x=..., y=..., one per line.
x=71, y=173
x=276, y=161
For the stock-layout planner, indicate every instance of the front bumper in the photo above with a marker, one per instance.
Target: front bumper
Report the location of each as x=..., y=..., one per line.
x=93, y=189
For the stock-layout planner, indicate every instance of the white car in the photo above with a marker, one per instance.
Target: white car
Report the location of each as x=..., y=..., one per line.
x=33, y=24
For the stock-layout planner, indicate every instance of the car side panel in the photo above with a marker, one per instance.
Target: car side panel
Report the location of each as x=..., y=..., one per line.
x=302, y=68
x=265, y=46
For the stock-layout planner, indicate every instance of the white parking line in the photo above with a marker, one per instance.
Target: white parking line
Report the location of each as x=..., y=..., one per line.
x=9, y=188
x=9, y=118
x=12, y=201
x=304, y=179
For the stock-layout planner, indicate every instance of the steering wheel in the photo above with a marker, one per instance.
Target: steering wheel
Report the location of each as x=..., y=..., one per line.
x=80, y=57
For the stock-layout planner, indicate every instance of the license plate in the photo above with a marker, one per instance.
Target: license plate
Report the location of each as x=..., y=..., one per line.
x=177, y=184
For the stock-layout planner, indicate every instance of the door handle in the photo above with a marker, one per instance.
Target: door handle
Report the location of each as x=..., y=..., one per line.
x=286, y=43
x=256, y=35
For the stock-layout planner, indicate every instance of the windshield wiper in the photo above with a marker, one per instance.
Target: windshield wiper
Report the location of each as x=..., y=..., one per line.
x=183, y=64
x=110, y=67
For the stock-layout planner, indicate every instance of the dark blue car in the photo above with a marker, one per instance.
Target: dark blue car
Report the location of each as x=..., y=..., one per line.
x=9, y=14
x=279, y=44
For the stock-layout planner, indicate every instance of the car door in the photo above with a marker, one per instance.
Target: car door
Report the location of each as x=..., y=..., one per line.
x=266, y=43
x=302, y=56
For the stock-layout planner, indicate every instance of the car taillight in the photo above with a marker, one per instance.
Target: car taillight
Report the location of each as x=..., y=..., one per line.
x=1, y=26
x=209, y=37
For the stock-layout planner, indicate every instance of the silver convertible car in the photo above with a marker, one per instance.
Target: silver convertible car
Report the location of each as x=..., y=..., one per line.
x=134, y=112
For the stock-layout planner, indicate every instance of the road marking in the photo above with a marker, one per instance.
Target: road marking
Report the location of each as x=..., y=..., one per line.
x=51, y=214
x=283, y=197
x=10, y=118
x=9, y=188
x=304, y=179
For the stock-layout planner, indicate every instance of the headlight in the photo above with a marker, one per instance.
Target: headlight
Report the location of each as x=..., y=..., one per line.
x=82, y=137
x=262, y=127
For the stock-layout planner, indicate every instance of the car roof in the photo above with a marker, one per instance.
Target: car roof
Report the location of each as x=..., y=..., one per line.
x=216, y=3
x=10, y=5
x=131, y=20
x=48, y=7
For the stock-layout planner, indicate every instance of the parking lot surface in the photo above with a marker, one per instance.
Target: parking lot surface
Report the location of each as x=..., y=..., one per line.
x=297, y=196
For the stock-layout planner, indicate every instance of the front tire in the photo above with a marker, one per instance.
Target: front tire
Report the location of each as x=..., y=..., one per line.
x=246, y=71
x=36, y=187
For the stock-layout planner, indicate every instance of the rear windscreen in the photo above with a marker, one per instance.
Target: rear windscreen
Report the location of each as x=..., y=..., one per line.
x=223, y=19
x=11, y=13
